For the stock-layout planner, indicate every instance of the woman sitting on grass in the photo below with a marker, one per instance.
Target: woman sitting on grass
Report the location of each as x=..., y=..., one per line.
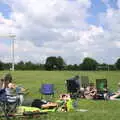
x=90, y=91
x=61, y=104
x=117, y=94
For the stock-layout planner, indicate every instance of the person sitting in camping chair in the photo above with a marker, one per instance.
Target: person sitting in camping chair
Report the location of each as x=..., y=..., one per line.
x=8, y=101
x=11, y=89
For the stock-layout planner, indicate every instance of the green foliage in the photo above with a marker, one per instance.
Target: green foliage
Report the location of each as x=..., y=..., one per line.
x=28, y=66
x=7, y=66
x=20, y=66
x=89, y=64
x=54, y=63
x=73, y=67
x=118, y=64
x=58, y=63
x=1, y=65
x=51, y=63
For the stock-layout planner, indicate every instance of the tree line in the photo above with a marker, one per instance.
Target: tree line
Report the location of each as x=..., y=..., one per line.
x=58, y=63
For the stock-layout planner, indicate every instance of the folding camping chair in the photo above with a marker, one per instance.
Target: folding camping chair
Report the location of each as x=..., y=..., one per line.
x=101, y=86
x=73, y=86
x=84, y=81
x=7, y=105
x=47, y=90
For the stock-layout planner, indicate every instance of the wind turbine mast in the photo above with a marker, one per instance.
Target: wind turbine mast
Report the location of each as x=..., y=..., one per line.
x=12, y=36
x=13, y=52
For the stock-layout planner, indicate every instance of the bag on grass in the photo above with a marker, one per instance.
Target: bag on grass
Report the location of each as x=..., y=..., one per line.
x=69, y=105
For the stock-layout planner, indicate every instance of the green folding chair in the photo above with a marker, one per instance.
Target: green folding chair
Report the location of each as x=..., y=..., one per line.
x=101, y=86
x=84, y=81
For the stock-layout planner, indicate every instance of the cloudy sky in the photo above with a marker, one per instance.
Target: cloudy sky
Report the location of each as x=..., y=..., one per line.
x=73, y=29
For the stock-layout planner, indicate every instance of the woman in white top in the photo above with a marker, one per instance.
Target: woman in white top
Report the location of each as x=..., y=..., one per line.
x=117, y=94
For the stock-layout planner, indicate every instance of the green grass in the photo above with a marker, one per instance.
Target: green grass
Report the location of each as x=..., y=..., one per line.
x=97, y=110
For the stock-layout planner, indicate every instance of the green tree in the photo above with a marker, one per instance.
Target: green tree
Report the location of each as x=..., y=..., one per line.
x=54, y=63
x=75, y=67
x=102, y=66
x=60, y=63
x=29, y=65
x=89, y=64
x=7, y=66
x=69, y=67
x=1, y=65
x=51, y=63
x=41, y=66
x=20, y=66
x=117, y=64
x=112, y=67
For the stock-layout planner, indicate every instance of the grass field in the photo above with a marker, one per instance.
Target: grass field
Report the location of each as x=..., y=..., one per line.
x=97, y=110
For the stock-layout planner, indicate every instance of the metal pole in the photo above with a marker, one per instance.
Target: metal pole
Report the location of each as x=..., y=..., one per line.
x=12, y=50
x=108, y=67
x=13, y=62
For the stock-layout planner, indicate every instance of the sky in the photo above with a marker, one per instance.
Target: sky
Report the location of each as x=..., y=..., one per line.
x=72, y=29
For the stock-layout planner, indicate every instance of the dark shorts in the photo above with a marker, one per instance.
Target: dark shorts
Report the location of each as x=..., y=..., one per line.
x=38, y=103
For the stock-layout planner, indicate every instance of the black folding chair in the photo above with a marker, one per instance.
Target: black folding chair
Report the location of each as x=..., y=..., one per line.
x=7, y=105
x=73, y=86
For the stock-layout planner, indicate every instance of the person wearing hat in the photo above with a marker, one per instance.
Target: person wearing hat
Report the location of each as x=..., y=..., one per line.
x=5, y=80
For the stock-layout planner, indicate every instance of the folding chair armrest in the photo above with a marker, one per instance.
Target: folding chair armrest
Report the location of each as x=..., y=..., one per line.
x=22, y=90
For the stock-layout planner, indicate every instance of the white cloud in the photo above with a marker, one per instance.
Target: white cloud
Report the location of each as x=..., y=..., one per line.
x=117, y=43
x=111, y=37
x=49, y=25
x=4, y=47
x=5, y=52
x=59, y=27
x=5, y=21
x=118, y=3
x=5, y=25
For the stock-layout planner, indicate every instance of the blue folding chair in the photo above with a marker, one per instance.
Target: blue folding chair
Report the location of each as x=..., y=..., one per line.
x=47, y=89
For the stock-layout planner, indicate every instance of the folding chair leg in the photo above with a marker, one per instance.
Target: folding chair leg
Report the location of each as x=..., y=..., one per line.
x=41, y=97
x=5, y=111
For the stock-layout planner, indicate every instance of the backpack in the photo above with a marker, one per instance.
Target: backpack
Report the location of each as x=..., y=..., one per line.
x=69, y=105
